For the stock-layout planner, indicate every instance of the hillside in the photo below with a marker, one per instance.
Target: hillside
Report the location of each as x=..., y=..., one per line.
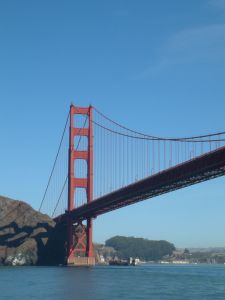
x=28, y=237
x=144, y=249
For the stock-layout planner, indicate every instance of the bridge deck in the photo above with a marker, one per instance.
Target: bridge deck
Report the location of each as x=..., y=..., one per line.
x=199, y=169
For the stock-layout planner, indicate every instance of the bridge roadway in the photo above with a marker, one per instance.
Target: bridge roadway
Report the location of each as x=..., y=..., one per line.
x=201, y=168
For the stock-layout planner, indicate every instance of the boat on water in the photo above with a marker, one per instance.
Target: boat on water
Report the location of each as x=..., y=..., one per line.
x=118, y=263
x=124, y=262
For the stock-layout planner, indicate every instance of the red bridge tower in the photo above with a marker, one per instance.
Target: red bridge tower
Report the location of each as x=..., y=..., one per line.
x=83, y=243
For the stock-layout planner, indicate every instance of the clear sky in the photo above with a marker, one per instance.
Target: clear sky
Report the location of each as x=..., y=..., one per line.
x=155, y=66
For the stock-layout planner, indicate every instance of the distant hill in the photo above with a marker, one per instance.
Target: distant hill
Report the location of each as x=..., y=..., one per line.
x=138, y=247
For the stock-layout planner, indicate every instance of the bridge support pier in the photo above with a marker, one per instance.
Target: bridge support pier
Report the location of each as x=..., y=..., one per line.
x=70, y=237
x=80, y=254
x=89, y=249
x=79, y=240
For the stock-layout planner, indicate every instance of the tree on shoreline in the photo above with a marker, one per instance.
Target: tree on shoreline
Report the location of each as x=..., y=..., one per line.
x=139, y=247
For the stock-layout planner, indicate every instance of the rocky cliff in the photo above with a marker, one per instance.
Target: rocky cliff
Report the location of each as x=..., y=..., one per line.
x=28, y=237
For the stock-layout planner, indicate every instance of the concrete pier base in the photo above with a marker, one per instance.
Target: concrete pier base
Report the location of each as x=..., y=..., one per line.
x=81, y=261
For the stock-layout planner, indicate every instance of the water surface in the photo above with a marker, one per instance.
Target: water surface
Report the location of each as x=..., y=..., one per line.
x=112, y=282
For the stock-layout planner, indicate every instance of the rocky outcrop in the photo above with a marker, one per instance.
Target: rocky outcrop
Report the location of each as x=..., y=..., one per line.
x=28, y=237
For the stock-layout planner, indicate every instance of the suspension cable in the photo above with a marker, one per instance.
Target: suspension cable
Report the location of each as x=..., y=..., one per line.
x=150, y=137
x=54, y=164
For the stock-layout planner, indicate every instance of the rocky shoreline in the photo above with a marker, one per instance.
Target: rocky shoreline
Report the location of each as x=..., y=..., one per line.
x=28, y=237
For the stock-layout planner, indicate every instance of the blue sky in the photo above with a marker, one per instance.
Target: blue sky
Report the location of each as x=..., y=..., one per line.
x=155, y=66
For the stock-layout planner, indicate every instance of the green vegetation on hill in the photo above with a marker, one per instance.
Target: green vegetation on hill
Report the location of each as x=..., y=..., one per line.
x=138, y=247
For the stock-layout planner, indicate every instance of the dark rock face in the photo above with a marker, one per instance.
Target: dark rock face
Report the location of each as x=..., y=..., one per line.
x=28, y=237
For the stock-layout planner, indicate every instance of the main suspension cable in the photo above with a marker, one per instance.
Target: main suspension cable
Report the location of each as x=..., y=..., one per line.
x=151, y=137
x=54, y=164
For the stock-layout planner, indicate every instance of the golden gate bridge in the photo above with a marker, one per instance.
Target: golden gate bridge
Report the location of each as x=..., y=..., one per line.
x=102, y=165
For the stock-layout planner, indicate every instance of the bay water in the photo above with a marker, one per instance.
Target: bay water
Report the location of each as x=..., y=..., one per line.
x=113, y=282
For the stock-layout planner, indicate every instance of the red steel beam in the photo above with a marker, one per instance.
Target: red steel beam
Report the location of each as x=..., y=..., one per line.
x=80, y=155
